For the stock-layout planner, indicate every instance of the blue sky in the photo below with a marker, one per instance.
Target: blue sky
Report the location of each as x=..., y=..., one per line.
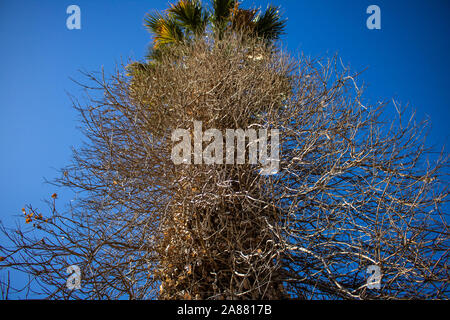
x=407, y=60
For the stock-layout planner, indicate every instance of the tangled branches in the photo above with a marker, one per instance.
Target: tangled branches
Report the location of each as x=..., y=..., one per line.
x=352, y=190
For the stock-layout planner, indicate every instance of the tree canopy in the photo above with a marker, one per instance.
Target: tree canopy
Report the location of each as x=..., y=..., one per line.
x=355, y=189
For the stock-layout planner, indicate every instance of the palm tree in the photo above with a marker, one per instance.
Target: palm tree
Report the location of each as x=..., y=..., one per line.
x=184, y=22
x=188, y=19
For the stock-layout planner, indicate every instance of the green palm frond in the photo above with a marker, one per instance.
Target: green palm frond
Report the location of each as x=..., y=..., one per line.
x=152, y=21
x=188, y=18
x=165, y=28
x=190, y=15
x=270, y=25
x=222, y=9
x=221, y=13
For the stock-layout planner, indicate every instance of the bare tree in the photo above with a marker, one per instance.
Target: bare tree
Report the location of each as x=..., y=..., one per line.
x=353, y=189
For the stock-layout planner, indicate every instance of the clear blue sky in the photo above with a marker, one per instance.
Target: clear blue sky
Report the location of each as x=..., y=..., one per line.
x=407, y=60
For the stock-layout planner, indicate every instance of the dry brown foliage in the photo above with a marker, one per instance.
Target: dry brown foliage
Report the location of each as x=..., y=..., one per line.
x=352, y=191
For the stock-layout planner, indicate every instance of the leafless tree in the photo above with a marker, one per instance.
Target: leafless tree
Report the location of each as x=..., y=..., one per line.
x=355, y=188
